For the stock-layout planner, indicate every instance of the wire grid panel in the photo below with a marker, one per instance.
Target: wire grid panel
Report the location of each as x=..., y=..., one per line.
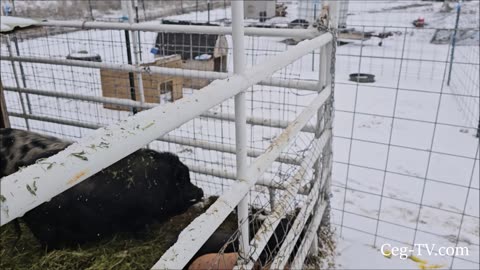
x=206, y=144
x=406, y=153
x=465, y=65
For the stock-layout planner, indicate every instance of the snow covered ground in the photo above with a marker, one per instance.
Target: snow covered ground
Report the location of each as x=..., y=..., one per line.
x=406, y=157
x=410, y=174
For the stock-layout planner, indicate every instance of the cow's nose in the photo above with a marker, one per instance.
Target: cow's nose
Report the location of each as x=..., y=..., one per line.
x=199, y=193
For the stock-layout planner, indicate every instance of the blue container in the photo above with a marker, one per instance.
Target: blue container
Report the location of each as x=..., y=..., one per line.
x=155, y=50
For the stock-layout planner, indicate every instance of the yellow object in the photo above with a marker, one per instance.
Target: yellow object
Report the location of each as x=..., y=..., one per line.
x=416, y=259
x=433, y=266
x=387, y=254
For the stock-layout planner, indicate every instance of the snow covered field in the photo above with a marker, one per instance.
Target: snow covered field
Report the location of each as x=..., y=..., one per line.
x=406, y=164
x=410, y=174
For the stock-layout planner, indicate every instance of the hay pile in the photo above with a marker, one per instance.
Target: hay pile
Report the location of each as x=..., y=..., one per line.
x=122, y=251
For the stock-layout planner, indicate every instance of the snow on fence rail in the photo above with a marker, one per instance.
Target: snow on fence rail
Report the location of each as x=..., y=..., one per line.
x=134, y=132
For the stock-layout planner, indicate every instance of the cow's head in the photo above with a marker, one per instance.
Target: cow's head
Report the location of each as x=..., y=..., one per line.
x=181, y=192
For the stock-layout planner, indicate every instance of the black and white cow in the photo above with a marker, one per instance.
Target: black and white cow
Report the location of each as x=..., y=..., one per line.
x=144, y=187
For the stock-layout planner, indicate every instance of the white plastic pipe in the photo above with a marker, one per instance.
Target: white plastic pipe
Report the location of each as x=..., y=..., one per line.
x=298, y=225
x=191, y=29
x=190, y=73
x=306, y=243
x=136, y=51
x=240, y=123
x=259, y=121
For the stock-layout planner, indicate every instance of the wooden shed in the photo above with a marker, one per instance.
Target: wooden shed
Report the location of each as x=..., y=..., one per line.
x=207, y=52
x=117, y=84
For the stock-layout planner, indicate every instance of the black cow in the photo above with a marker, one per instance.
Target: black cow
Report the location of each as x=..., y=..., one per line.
x=144, y=187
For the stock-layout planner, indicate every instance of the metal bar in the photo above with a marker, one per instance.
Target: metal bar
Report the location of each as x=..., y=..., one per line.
x=22, y=73
x=240, y=123
x=191, y=29
x=308, y=238
x=135, y=44
x=288, y=244
x=319, y=214
x=212, y=75
x=182, y=141
x=275, y=123
x=454, y=39
x=197, y=233
x=134, y=132
x=292, y=187
x=133, y=95
x=96, y=99
x=17, y=82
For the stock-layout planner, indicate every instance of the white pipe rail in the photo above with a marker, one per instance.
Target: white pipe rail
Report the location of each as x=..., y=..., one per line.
x=240, y=124
x=169, y=139
x=179, y=72
x=131, y=134
x=298, y=225
x=136, y=52
x=194, y=143
x=259, y=121
x=292, y=187
x=198, y=231
x=191, y=29
x=309, y=236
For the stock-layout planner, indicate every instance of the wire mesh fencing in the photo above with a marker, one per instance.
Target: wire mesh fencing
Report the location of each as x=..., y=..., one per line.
x=406, y=146
x=67, y=82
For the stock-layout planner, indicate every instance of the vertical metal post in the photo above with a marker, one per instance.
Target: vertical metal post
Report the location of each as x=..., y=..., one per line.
x=131, y=78
x=144, y=11
x=208, y=8
x=22, y=73
x=240, y=122
x=327, y=159
x=320, y=128
x=137, y=20
x=14, y=12
x=478, y=129
x=17, y=81
x=4, y=121
x=91, y=9
x=454, y=38
x=196, y=10
x=136, y=52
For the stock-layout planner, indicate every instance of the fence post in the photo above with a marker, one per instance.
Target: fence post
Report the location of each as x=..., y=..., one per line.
x=135, y=38
x=4, y=122
x=90, y=8
x=17, y=82
x=320, y=127
x=208, y=8
x=240, y=123
x=22, y=73
x=454, y=38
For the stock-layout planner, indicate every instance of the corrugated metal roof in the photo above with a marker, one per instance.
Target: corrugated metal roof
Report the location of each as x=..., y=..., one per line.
x=10, y=23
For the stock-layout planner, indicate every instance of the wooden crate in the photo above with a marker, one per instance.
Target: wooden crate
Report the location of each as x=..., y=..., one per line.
x=117, y=84
x=198, y=83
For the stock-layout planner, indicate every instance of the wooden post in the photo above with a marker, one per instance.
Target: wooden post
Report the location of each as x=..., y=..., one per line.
x=4, y=123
